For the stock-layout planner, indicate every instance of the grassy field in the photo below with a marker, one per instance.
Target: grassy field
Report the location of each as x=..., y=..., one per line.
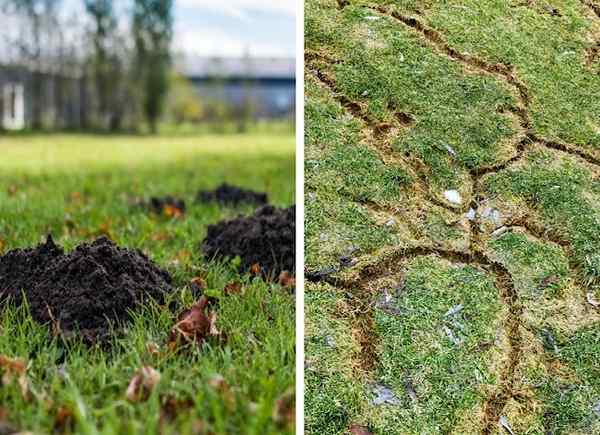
x=77, y=187
x=452, y=217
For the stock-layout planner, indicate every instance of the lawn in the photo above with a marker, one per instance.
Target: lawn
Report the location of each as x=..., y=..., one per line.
x=77, y=187
x=452, y=167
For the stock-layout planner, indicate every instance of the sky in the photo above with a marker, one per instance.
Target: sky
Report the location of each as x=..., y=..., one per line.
x=227, y=27
x=235, y=27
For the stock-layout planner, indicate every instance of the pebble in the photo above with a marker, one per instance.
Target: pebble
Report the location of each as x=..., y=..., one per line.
x=391, y=223
x=493, y=215
x=453, y=196
x=450, y=150
x=384, y=395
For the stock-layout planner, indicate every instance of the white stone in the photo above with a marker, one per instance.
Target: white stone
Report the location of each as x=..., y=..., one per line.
x=453, y=196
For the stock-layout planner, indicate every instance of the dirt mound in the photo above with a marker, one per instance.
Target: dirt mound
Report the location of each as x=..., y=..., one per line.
x=267, y=238
x=168, y=205
x=22, y=267
x=232, y=195
x=86, y=289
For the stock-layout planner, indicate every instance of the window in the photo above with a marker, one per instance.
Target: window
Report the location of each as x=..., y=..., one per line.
x=14, y=106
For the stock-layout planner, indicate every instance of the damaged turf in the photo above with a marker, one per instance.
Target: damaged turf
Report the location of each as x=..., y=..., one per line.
x=266, y=238
x=86, y=289
x=232, y=195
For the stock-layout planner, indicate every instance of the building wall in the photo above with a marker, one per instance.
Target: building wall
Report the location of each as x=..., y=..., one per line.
x=270, y=98
x=60, y=102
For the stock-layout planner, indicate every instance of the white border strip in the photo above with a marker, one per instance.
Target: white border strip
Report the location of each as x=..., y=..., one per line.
x=299, y=217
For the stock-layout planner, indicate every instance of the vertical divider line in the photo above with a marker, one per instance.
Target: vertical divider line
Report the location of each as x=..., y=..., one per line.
x=300, y=216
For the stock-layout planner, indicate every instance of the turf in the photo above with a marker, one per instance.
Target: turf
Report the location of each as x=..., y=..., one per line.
x=79, y=186
x=452, y=216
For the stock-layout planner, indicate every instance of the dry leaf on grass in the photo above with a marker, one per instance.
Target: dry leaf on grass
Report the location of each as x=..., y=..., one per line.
x=15, y=369
x=233, y=288
x=172, y=211
x=194, y=325
x=255, y=269
x=153, y=348
x=286, y=279
x=284, y=412
x=171, y=407
x=2, y=244
x=142, y=384
x=198, y=284
x=64, y=419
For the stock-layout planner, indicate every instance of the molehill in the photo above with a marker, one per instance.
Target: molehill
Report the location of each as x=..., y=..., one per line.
x=232, y=195
x=95, y=284
x=267, y=238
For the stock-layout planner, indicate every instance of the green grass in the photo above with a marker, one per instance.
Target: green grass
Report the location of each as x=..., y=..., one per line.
x=525, y=350
x=79, y=186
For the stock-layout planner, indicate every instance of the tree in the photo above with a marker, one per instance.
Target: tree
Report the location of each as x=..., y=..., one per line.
x=104, y=61
x=153, y=31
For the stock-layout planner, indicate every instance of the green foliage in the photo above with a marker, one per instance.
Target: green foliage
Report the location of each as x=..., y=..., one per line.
x=153, y=31
x=183, y=105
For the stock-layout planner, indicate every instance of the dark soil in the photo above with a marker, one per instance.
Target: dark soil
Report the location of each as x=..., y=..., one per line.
x=232, y=195
x=164, y=204
x=267, y=238
x=95, y=284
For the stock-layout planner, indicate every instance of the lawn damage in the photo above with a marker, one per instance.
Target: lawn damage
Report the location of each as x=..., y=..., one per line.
x=264, y=241
x=86, y=290
x=515, y=198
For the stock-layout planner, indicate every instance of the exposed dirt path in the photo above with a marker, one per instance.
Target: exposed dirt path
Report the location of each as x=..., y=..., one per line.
x=364, y=301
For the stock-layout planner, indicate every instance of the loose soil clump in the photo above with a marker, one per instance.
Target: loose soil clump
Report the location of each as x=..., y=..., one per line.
x=231, y=195
x=266, y=238
x=95, y=284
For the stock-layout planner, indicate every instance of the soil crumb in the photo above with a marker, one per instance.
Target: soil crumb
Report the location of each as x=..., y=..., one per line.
x=95, y=284
x=267, y=238
x=232, y=195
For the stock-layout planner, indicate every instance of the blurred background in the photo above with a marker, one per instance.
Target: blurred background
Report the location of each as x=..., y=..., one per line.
x=147, y=66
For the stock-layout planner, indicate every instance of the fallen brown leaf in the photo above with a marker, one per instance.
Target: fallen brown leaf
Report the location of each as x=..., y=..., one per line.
x=15, y=369
x=161, y=236
x=2, y=244
x=286, y=279
x=153, y=348
x=142, y=384
x=64, y=419
x=233, y=288
x=284, y=412
x=255, y=269
x=171, y=407
x=194, y=325
x=357, y=429
x=172, y=211
x=76, y=197
x=12, y=190
x=198, y=284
